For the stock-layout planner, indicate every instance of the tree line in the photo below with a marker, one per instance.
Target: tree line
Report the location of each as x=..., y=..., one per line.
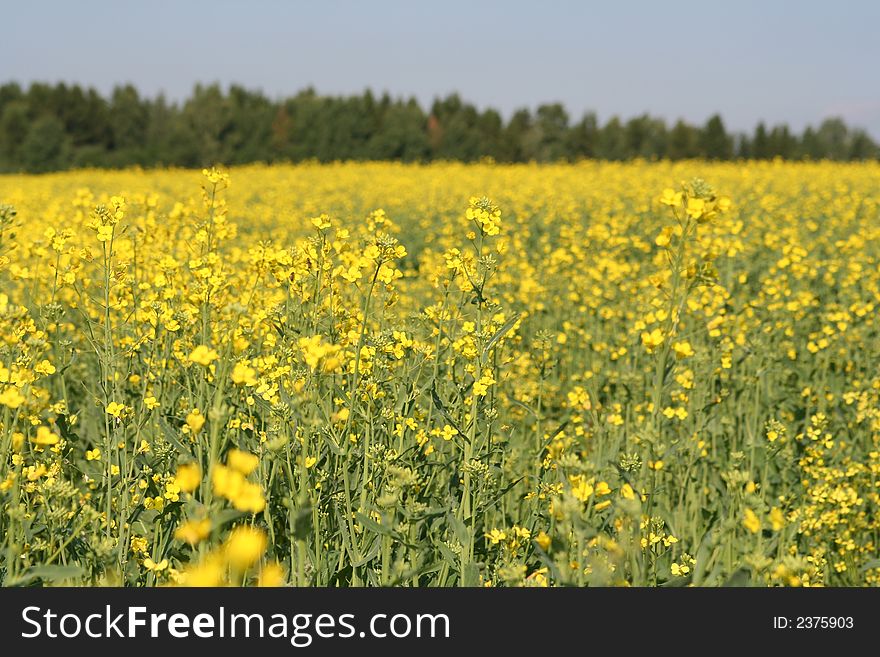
x=50, y=127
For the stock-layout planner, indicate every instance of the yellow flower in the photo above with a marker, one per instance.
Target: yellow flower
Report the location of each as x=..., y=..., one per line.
x=149, y=564
x=664, y=238
x=481, y=387
x=231, y=484
x=751, y=521
x=543, y=541
x=652, y=339
x=193, y=531
x=115, y=409
x=321, y=222
x=682, y=349
x=243, y=462
x=243, y=374
x=151, y=402
x=35, y=472
x=188, y=477
x=448, y=432
x=172, y=492
x=44, y=367
x=581, y=488
x=93, y=454
x=579, y=398
x=11, y=397
x=244, y=547
x=670, y=197
x=314, y=349
x=485, y=214
x=777, y=518
x=538, y=578
x=45, y=437
x=203, y=355
x=209, y=572
x=271, y=575
x=156, y=503
x=117, y=208
x=215, y=176
x=496, y=536
x=139, y=544
x=105, y=233
x=195, y=420
x=695, y=207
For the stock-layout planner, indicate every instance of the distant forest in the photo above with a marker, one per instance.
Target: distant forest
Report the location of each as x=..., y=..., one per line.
x=52, y=127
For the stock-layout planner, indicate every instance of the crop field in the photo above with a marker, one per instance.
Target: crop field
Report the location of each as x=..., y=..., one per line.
x=365, y=374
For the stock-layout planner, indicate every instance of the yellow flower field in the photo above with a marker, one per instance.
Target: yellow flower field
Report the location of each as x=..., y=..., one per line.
x=442, y=375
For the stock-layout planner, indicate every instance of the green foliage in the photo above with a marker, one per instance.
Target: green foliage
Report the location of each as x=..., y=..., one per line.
x=44, y=147
x=44, y=128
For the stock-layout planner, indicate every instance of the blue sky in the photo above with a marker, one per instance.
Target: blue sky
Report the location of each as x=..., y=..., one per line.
x=771, y=60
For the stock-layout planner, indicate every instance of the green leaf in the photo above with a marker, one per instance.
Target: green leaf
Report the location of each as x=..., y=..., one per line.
x=442, y=408
x=521, y=405
x=501, y=493
x=302, y=523
x=371, y=554
x=498, y=335
x=416, y=572
x=65, y=429
x=334, y=447
x=372, y=525
x=448, y=555
x=462, y=533
x=471, y=576
x=171, y=435
x=740, y=578
x=227, y=515
x=49, y=573
x=705, y=556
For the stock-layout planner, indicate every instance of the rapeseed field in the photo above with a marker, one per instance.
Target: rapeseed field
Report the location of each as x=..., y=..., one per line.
x=377, y=374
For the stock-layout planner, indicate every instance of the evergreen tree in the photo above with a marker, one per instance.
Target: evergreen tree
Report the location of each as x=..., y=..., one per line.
x=715, y=144
x=551, y=125
x=128, y=118
x=517, y=142
x=781, y=143
x=612, y=141
x=861, y=147
x=14, y=124
x=760, y=143
x=833, y=139
x=646, y=137
x=45, y=127
x=44, y=147
x=683, y=142
x=742, y=146
x=809, y=147
x=583, y=137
